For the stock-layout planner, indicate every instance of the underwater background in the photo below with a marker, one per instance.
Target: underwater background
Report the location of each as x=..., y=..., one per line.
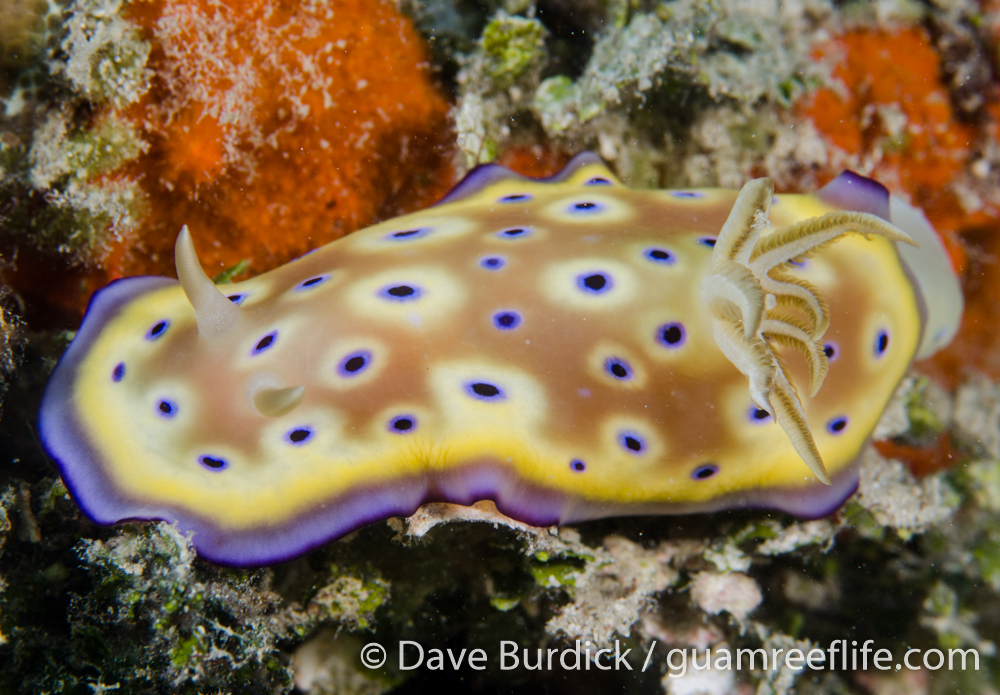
x=273, y=127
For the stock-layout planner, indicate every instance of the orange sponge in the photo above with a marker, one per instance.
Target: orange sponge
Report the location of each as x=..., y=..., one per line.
x=276, y=127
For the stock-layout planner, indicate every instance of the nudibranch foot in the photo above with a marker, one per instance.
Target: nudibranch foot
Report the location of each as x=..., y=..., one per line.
x=746, y=271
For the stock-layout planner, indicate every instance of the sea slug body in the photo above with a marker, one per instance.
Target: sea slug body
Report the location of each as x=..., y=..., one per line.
x=569, y=348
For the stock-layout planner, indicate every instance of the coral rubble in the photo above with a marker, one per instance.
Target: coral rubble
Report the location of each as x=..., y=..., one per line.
x=140, y=610
x=271, y=128
x=11, y=342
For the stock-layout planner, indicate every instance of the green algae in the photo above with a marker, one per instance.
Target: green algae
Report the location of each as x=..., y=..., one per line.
x=651, y=73
x=924, y=419
x=352, y=599
x=511, y=47
x=555, y=574
x=130, y=609
x=63, y=134
x=150, y=606
x=981, y=479
x=232, y=272
x=505, y=603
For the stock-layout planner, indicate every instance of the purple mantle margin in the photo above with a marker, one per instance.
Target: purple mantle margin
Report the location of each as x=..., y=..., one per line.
x=851, y=191
x=97, y=494
x=60, y=430
x=488, y=174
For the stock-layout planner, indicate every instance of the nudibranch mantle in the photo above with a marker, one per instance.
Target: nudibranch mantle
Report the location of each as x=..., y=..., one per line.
x=568, y=348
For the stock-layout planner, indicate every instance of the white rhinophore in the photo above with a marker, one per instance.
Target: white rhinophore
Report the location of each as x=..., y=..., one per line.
x=213, y=312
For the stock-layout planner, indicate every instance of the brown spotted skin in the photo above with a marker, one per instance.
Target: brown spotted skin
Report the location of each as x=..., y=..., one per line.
x=675, y=431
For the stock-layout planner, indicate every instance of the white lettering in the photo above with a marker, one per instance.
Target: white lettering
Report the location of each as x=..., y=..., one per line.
x=538, y=664
x=620, y=658
x=477, y=655
x=512, y=654
x=402, y=665
x=435, y=662
x=456, y=664
x=940, y=662
x=820, y=656
x=681, y=667
x=880, y=657
x=708, y=660
x=963, y=652
x=797, y=656
x=576, y=655
x=751, y=653
x=597, y=659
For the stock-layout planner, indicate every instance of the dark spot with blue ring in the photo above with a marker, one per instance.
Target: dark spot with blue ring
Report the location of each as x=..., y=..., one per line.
x=687, y=194
x=594, y=283
x=586, y=207
x=118, y=373
x=758, y=415
x=515, y=198
x=705, y=471
x=215, y=463
x=299, y=436
x=403, y=424
x=514, y=233
x=492, y=263
x=831, y=351
x=632, y=441
x=598, y=181
x=237, y=299
x=577, y=466
x=506, y=320
x=355, y=363
x=881, y=343
x=485, y=391
x=798, y=264
x=671, y=335
x=408, y=234
x=401, y=293
x=311, y=282
x=157, y=329
x=265, y=343
x=837, y=425
x=166, y=408
x=708, y=241
x=618, y=368
x=660, y=256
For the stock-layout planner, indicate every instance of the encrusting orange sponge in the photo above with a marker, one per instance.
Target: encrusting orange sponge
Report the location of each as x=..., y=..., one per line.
x=274, y=127
x=896, y=116
x=897, y=108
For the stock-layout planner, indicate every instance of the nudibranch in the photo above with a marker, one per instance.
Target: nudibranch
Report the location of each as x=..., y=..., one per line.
x=568, y=348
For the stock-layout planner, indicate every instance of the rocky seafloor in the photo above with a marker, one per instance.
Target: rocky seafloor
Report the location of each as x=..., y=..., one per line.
x=120, y=121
